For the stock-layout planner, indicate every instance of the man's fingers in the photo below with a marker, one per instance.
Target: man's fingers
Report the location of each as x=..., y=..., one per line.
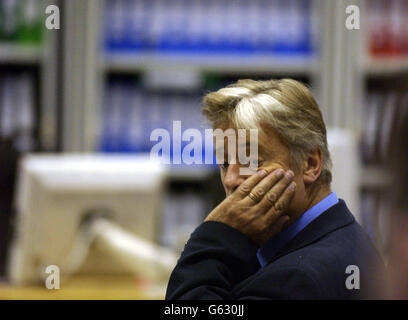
x=245, y=188
x=259, y=190
x=280, y=206
x=272, y=196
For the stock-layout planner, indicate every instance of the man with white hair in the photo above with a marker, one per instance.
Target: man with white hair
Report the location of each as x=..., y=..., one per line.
x=280, y=233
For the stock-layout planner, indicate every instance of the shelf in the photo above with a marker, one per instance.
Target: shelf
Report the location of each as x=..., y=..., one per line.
x=254, y=64
x=189, y=173
x=386, y=66
x=13, y=53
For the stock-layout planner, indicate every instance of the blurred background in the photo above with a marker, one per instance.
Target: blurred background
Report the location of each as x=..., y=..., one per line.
x=118, y=69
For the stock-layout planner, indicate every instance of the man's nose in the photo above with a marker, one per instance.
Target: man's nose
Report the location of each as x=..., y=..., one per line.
x=233, y=179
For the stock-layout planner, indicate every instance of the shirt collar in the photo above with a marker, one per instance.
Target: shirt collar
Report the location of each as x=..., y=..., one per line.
x=274, y=245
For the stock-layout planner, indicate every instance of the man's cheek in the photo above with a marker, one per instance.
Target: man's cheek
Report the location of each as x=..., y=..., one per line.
x=222, y=176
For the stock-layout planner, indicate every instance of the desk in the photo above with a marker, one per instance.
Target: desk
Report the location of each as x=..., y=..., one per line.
x=83, y=287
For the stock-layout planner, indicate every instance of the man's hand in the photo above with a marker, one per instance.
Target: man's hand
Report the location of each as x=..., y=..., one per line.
x=257, y=207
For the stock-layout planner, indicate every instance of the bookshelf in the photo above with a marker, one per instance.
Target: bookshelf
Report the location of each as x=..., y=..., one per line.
x=129, y=60
x=28, y=93
x=16, y=54
x=257, y=65
x=33, y=48
x=383, y=77
x=385, y=67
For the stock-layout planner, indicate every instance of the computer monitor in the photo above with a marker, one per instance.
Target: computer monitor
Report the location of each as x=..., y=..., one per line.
x=55, y=193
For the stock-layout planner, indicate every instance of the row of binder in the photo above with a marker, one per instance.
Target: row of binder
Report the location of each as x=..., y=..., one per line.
x=21, y=21
x=388, y=27
x=383, y=113
x=131, y=114
x=285, y=27
x=17, y=115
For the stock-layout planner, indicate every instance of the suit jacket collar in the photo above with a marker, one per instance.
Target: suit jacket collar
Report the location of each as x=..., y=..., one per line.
x=336, y=217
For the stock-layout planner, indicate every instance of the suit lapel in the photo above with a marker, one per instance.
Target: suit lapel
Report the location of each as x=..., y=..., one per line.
x=337, y=216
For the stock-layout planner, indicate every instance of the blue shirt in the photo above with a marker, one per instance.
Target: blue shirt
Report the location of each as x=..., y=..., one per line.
x=274, y=245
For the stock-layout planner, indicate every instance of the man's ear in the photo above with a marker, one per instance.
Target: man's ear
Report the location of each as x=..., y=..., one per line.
x=312, y=166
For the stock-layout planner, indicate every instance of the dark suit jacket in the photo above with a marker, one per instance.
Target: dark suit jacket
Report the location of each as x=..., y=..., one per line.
x=219, y=262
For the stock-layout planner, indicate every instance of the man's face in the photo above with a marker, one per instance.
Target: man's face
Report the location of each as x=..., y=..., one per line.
x=272, y=154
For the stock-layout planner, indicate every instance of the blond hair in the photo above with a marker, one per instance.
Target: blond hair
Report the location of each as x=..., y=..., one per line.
x=286, y=106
